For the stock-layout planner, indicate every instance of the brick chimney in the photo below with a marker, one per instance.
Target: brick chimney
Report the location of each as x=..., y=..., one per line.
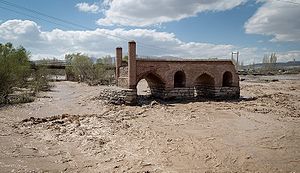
x=132, y=65
x=118, y=61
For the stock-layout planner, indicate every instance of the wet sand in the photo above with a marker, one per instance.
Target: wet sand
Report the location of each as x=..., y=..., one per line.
x=72, y=132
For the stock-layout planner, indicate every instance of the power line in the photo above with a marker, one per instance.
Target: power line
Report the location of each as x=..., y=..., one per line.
x=69, y=23
x=291, y=2
x=55, y=18
x=11, y=10
x=42, y=14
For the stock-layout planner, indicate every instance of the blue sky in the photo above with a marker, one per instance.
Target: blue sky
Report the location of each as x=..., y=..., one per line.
x=190, y=29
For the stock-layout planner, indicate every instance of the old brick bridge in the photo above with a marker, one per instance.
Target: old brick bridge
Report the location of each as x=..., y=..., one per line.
x=177, y=78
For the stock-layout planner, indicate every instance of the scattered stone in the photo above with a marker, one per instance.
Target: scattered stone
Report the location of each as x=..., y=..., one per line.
x=112, y=96
x=153, y=103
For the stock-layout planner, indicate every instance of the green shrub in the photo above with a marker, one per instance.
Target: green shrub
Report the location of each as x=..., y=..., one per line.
x=40, y=80
x=14, y=69
x=81, y=68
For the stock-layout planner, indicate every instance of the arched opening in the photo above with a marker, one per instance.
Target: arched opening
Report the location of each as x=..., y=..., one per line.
x=179, y=79
x=227, y=79
x=205, y=80
x=150, y=84
x=204, y=86
x=142, y=88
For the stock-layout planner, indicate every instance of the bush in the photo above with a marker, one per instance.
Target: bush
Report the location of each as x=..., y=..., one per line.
x=104, y=74
x=14, y=69
x=40, y=80
x=82, y=69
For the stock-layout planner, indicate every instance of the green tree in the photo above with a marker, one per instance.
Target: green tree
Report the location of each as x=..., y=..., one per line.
x=81, y=67
x=14, y=69
x=41, y=76
x=125, y=58
x=104, y=73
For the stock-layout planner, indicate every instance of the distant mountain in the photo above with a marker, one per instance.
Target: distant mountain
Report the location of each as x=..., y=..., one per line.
x=289, y=64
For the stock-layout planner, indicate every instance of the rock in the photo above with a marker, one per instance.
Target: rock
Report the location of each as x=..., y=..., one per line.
x=113, y=96
x=153, y=103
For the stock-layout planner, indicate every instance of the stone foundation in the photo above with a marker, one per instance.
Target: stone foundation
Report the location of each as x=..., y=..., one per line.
x=129, y=96
x=173, y=93
x=197, y=92
x=227, y=92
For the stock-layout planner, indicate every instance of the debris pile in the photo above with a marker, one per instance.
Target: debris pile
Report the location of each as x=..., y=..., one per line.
x=112, y=96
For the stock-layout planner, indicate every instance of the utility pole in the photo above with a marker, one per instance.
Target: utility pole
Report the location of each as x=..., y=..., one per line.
x=237, y=58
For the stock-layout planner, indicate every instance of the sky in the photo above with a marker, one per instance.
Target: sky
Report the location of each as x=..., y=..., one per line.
x=187, y=29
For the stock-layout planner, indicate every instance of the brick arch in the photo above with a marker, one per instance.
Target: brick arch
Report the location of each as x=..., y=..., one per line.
x=235, y=78
x=204, y=85
x=205, y=79
x=227, y=79
x=154, y=80
x=179, y=79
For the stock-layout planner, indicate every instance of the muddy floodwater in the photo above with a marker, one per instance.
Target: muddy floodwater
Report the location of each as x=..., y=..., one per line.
x=68, y=130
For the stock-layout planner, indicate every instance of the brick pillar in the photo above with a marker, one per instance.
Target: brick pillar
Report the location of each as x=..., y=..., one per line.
x=118, y=61
x=132, y=65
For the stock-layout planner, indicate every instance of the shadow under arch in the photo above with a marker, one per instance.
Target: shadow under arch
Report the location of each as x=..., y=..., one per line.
x=155, y=83
x=204, y=85
x=179, y=79
x=227, y=79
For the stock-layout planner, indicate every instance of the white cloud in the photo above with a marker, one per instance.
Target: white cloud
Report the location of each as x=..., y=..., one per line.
x=85, y=7
x=288, y=56
x=145, y=12
x=100, y=42
x=279, y=19
x=20, y=32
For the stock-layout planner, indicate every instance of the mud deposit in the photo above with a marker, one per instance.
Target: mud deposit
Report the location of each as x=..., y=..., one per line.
x=67, y=130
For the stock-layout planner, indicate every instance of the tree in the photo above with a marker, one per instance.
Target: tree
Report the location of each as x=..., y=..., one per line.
x=266, y=62
x=104, y=71
x=273, y=58
x=273, y=61
x=14, y=69
x=125, y=58
x=269, y=62
x=105, y=60
x=81, y=67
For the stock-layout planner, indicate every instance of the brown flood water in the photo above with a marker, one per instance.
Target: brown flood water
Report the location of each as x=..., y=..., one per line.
x=75, y=133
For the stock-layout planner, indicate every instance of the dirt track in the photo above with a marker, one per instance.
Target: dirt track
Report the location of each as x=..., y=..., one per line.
x=72, y=132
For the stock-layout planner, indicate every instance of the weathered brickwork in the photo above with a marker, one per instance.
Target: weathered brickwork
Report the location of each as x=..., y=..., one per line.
x=123, y=82
x=179, y=79
x=123, y=71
